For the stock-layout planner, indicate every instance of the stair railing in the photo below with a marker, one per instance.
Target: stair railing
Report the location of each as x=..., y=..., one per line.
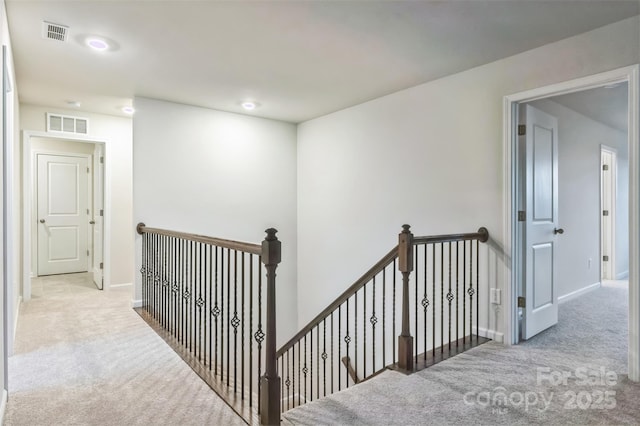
x=355, y=337
x=206, y=297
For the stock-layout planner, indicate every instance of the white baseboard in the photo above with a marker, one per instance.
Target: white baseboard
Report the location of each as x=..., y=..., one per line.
x=121, y=285
x=622, y=275
x=579, y=292
x=3, y=405
x=494, y=335
x=136, y=303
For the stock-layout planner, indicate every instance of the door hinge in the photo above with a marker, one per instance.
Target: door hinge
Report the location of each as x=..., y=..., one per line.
x=88, y=170
x=522, y=216
x=521, y=302
x=522, y=129
x=88, y=254
x=101, y=265
x=101, y=160
x=101, y=212
x=88, y=212
x=605, y=212
x=605, y=258
x=605, y=167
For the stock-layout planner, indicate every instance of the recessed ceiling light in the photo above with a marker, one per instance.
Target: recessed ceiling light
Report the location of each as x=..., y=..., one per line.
x=128, y=110
x=249, y=105
x=97, y=43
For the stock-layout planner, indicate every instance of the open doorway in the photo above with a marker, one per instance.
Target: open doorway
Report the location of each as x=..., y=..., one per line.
x=520, y=300
x=64, y=208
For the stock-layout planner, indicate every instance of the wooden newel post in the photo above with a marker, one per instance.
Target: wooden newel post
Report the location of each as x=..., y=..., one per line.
x=270, y=382
x=405, y=265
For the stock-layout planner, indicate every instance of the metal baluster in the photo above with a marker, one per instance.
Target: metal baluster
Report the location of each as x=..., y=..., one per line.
x=288, y=381
x=347, y=340
x=228, y=317
x=457, y=288
x=441, y=299
x=242, y=321
x=477, y=290
x=215, y=311
x=332, y=370
x=311, y=363
x=339, y=345
x=384, y=317
x=235, y=320
x=251, y=328
x=300, y=375
x=305, y=369
x=259, y=336
x=199, y=299
x=324, y=355
x=433, y=297
x=449, y=297
x=470, y=291
x=355, y=333
x=373, y=321
x=393, y=313
x=143, y=271
x=425, y=304
x=364, y=330
x=293, y=377
x=415, y=304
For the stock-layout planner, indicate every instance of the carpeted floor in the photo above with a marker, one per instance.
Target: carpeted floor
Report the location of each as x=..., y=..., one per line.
x=573, y=373
x=84, y=357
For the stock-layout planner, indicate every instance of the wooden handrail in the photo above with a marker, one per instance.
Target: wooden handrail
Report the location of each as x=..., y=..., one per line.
x=382, y=263
x=230, y=244
x=482, y=235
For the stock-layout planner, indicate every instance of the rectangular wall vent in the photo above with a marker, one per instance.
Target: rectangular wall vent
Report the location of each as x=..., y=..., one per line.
x=67, y=124
x=53, y=31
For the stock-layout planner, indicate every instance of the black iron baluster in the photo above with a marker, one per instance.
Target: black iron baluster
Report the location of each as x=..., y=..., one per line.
x=457, y=288
x=384, y=317
x=287, y=382
x=470, y=291
x=215, y=311
x=441, y=298
x=228, y=317
x=477, y=290
x=235, y=320
x=393, y=313
x=300, y=375
x=355, y=333
x=373, y=320
x=259, y=336
x=415, y=304
x=449, y=298
x=143, y=271
x=311, y=364
x=425, y=304
x=251, y=329
x=332, y=370
x=347, y=340
x=324, y=355
x=282, y=384
x=339, y=346
x=433, y=297
x=199, y=300
x=364, y=330
x=242, y=321
x=305, y=370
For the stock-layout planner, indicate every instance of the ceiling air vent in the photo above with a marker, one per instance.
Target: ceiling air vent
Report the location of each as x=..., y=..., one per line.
x=54, y=31
x=67, y=124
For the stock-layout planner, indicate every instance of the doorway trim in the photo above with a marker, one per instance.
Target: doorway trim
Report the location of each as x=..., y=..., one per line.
x=27, y=211
x=612, y=212
x=630, y=75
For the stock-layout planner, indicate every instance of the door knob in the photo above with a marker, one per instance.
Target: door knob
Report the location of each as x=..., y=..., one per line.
x=93, y=222
x=41, y=220
x=558, y=231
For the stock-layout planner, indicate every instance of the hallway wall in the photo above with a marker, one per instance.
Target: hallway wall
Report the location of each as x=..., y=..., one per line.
x=430, y=156
x=220, y=174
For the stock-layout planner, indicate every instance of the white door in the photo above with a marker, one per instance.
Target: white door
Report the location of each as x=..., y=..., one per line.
x=63, y=219
x=541, y=220
x=98, y=215
x=608, y=212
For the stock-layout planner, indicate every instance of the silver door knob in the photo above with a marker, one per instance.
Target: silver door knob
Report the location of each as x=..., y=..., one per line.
x=558, y=231
x=41, y=220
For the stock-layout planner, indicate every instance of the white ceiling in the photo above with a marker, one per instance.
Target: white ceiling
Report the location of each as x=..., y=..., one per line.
x=606, y=105
x=298, y=59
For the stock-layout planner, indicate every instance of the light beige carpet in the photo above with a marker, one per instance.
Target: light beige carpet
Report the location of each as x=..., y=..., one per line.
x=84, y=357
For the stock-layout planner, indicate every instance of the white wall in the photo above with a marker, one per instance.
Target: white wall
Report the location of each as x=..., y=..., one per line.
x=117, y=132
x=579, y=140
x=430, y=156
x=219, y=174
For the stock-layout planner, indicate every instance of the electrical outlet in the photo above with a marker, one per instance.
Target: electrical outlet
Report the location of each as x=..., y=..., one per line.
x=496, y=294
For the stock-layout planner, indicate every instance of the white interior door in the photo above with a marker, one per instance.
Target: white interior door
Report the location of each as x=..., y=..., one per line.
x=541, y=220
x=98, y=215
x=62, y=214
x=608, y=213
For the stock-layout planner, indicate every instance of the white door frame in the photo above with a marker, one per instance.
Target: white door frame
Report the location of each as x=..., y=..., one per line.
x=613, y=188
x=26, y=204
x=630, y=75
